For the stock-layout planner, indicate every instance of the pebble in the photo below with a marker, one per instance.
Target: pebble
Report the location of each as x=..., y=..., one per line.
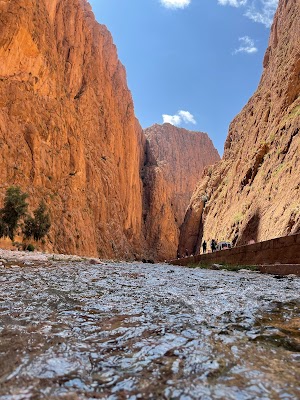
x=216, y=266
x=95, y=261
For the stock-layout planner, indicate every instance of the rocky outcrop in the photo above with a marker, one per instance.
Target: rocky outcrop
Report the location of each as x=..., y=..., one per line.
x=175, y=160
x=68, y=133
x=253, y=193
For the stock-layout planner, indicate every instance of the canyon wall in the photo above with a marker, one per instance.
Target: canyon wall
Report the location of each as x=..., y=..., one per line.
x=68, y=132
x=68, y=135
x=253, y=193
x=176, y=158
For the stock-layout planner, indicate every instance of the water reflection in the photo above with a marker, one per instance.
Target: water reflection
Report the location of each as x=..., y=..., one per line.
x=130, y=331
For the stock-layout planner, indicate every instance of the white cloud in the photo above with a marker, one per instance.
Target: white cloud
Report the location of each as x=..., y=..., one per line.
x=247, y=46
x=179, y=118
x=187, y=117
x=233, y=3
x=171, y=119
x=261, y=11
x=175, y=3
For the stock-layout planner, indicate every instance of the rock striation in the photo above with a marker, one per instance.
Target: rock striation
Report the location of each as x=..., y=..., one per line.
x=253, y=193
x=68, y=132
x=176, y=158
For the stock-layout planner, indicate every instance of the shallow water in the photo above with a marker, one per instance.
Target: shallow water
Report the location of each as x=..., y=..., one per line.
x=136, y=331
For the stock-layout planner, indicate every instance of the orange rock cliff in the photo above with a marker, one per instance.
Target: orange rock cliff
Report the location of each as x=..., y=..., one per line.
x=68, y=134
x=67, y=130
x=176, y=160
x=253, y=193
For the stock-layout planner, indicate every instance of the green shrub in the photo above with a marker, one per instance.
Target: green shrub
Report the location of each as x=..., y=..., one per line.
x=15, y=207
x=28, y=227
x=295, y=111
x=3, y=228
x=30, y=247
x=39, y=226
x=238, y=217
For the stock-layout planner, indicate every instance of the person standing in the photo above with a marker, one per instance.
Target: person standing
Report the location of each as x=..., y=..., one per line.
x=213, y=245
x=204, y=246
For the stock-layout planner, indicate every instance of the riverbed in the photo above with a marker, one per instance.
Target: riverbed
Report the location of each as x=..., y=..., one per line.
x=76, y=330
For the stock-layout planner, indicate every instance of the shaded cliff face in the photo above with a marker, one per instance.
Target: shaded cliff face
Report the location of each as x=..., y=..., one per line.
x=253, y=193
x=175, y=161
x=68, y=133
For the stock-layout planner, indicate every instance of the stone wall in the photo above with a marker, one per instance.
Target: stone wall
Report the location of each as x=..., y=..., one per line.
x=283, y=250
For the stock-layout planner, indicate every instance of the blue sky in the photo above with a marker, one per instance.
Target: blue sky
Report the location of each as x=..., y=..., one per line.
x=194, y=63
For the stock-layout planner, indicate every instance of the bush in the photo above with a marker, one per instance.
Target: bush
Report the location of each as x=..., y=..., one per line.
x=39, y=226
x=15, y=207
x=28, y=227
x=42, y=221
x=3, y=228
x=30, y=247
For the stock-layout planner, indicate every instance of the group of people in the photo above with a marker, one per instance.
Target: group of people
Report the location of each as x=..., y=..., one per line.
x=213, y=246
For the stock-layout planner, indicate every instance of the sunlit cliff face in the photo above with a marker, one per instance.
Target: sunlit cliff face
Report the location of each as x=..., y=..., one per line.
x=176, y=159
x=68, y=131
x=253, y=193
x=69, y=135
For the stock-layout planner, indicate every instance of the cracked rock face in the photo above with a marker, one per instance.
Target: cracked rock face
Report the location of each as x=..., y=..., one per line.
x=253, y=193
x=176, y=159
x=68, y=133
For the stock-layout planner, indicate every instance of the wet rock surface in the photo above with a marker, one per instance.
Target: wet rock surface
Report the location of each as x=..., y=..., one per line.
x=75, y=330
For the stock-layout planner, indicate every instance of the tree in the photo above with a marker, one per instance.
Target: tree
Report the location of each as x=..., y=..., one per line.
x=39, y=226
x=3, y=228
x=15, y=207
x=28, y=227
